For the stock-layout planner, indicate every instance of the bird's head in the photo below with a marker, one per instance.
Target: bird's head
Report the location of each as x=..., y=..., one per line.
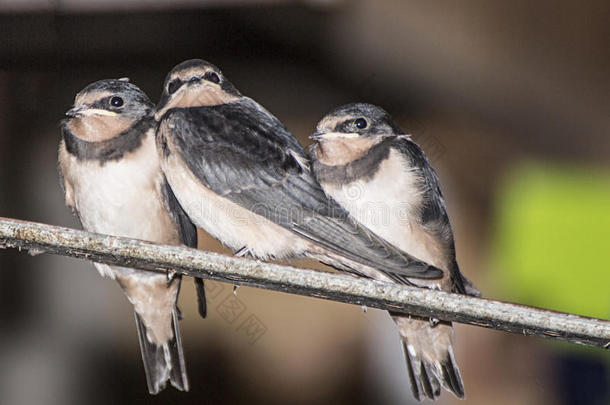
x=106, y=108
x=195, y=83
x=349, y=131
x=355, y=121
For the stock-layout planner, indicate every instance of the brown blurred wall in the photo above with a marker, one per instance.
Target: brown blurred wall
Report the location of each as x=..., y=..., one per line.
x=482, y=84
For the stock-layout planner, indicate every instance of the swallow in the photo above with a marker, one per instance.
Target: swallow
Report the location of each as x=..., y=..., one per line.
x=241, y=176
x=366, y=163
x=112, y=180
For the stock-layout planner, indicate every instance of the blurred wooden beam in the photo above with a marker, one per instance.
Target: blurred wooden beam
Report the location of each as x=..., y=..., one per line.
x=39, y=238
x=140, y=5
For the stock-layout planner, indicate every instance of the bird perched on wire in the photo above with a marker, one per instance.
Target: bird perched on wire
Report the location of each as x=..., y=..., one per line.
x=112, y=180
x=241, y=176
x=366, y=163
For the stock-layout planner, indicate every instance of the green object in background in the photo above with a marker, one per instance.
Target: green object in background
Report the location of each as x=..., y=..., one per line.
x=552, y=245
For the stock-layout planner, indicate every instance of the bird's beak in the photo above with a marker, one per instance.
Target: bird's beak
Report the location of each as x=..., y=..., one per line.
x=193, y=81
x=86, y=110
x=74, y=111
x=318, y=136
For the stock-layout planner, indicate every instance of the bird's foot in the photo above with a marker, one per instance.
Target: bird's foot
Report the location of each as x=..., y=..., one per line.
x=171, y=275
x=243, y=252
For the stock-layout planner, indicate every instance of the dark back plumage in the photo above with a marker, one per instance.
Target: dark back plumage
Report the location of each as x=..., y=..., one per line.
x=242, y=152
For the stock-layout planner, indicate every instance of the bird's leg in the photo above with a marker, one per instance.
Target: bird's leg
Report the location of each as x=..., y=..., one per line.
x=171, y=275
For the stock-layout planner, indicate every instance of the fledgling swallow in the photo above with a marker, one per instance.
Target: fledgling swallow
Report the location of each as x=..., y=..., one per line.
x=359, y=147
x=241, y=176
x=112, y=180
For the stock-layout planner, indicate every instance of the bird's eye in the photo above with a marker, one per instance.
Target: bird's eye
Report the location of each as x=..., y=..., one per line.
x=116, y=101
x=174, y=85
x=211, y=76
x=360, y=123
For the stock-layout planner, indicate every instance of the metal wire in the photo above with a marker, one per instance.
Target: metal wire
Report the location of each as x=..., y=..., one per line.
x=482, y=312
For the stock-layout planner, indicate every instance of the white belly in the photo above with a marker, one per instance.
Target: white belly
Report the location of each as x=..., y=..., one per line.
x=388, y=205
x=122, y=197
x=234, y=226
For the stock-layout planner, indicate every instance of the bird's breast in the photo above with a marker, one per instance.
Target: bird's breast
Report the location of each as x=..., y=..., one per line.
x=232, y=224
x=389, y=204
x=122, y=197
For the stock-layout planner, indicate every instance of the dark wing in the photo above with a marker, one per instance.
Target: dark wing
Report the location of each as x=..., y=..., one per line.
x=66, y=188
x=188, y=231
x=243, y=153
x=433, y=214
x=188, y=236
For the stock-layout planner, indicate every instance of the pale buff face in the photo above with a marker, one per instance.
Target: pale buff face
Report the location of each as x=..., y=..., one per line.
x=339, y=151
x=201, y=93
x=96, y=120
x=340, y=148
x=99, y=127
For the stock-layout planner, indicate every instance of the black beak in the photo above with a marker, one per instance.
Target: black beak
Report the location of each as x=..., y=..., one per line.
x=74, y=112
x=316, y=135
x=194, y=80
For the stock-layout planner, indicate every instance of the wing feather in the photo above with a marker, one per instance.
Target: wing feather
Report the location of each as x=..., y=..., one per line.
x=241, y=152
x=433, y=215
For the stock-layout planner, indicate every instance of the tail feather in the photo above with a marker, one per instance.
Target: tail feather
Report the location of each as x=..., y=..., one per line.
x=201, y=303
x=163, y=362
x=415, y=380
x=429, y=355
x=451, y=375
x=432, y=385
x=424, y=381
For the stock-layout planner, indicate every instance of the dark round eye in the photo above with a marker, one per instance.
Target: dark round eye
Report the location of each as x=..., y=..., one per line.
x=211, y=76
x=116, y=101
x=174, y=85
x=360, y=123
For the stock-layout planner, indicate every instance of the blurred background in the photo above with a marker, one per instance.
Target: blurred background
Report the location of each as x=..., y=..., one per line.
x=510, y=100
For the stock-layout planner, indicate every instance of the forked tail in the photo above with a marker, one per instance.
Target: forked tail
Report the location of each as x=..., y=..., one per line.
x=430, y=360
x=164, y=361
